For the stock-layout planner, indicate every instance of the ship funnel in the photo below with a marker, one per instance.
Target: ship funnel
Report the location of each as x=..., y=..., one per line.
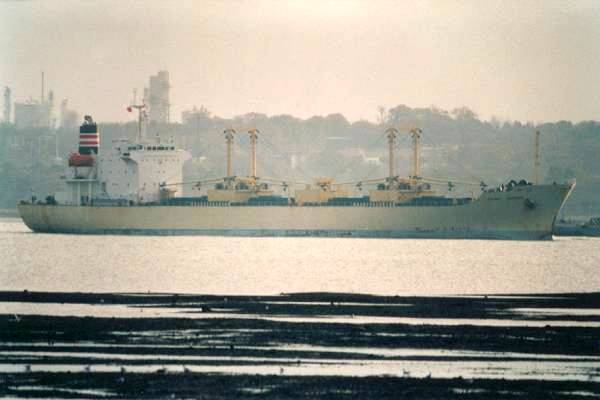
x=89, y=138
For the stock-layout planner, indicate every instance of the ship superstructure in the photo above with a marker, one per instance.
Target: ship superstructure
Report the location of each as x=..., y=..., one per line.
x=136, y=188
x=129, y=172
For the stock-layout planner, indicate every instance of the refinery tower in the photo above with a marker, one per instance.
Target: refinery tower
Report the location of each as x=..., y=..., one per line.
x=156, y=97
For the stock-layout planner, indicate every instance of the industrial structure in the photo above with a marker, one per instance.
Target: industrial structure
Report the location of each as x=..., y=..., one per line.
x=36, y=113
x=195, y=115
x=156, y=96
x=7, y=105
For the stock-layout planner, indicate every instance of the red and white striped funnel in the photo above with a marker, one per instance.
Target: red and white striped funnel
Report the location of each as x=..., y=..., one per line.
x=89, y=138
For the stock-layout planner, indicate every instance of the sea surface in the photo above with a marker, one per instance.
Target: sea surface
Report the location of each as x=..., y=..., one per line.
x=97, y=316
x=265, y=266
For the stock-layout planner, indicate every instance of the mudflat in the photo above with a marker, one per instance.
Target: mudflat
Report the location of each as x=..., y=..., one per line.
x=299, y=345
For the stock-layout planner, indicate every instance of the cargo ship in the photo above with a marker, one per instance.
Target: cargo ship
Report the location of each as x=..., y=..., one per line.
x=136, y=188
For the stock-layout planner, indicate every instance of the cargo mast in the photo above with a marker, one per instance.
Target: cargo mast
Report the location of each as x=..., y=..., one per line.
x=416, y=137
x=392, y=133
x=253, y=138
x=229, y=139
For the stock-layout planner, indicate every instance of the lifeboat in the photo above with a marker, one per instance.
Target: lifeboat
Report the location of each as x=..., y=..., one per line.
x=81, y=160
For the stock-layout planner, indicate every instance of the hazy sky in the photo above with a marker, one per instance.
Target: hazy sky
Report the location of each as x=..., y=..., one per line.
x=524, y=60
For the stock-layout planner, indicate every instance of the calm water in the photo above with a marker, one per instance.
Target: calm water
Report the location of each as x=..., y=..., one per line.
x=222, y=265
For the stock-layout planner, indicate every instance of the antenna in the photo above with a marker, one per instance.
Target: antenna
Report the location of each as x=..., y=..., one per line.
x=536, y=162
x=141, y=108
x=42, y=98
x=142, y=116
x=56, y=157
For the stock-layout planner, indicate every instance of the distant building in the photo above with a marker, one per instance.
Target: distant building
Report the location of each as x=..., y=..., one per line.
x=157, y=97
x=194, y=115
x=33, y=114
x=36, y=114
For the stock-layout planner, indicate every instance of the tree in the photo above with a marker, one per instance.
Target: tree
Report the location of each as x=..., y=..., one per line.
x=464, y=113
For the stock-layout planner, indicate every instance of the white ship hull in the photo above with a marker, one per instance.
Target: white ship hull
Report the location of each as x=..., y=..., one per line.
x=498, y=215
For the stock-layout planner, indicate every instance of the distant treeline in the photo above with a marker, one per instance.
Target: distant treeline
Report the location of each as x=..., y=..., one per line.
x=455, y=145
